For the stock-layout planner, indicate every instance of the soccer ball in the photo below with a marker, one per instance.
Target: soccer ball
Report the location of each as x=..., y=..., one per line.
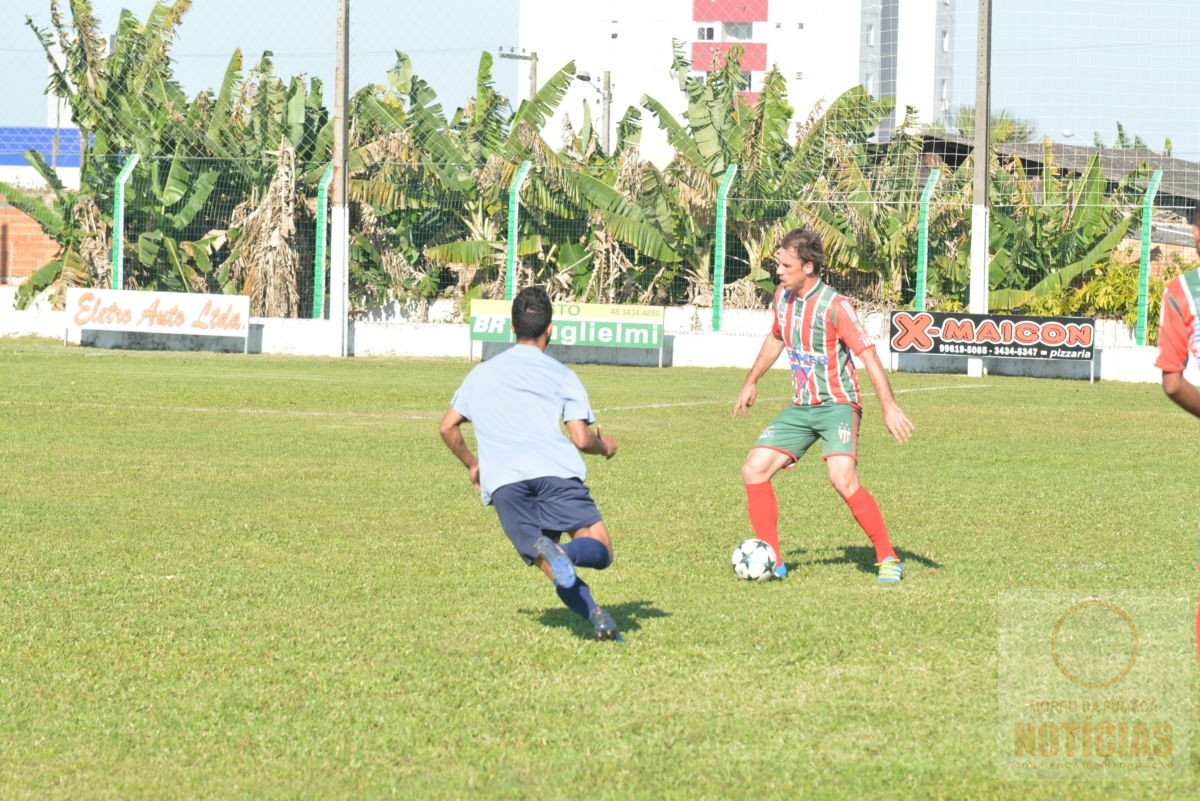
x=753, y=560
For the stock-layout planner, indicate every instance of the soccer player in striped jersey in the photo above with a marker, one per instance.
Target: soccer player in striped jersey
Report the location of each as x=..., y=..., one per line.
x=821, y=331
x=1179, y=339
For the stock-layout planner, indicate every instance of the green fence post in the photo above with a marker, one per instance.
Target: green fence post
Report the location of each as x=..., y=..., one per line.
x=719, y=248
x=923, y=241
x=322, y=239
x=514, y=206
x=1139, y=332
x=118, y=248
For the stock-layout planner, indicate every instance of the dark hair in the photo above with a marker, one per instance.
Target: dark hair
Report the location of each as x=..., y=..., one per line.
x=531, y=312
x=1196, y=214
x=806, y=244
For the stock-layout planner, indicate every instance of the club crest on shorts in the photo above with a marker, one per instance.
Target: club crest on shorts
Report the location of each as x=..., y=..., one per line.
x=844, y=433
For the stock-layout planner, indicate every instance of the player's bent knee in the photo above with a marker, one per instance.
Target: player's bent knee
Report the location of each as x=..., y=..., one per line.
x=756, y=473
x=845, y=488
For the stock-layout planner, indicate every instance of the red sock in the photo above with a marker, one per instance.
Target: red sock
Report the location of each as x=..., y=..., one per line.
x=866, y=512
x=764, y=514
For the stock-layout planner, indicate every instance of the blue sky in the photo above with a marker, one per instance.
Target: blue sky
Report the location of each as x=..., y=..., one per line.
x=1072, y=67
x=445, y=39
x=1079, y=67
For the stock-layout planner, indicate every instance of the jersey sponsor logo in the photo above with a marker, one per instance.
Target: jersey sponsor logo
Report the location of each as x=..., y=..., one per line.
x=803, y=364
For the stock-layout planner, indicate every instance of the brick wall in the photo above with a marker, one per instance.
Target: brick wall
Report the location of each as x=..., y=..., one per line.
x=23, y=246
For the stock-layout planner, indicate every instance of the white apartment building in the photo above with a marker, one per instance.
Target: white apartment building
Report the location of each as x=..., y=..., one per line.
x=896, y=48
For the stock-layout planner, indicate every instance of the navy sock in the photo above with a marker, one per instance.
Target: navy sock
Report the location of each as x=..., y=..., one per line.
x=578, y=598
x=588, y=552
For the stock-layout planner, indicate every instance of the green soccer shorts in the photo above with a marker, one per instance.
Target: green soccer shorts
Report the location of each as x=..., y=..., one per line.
x=797, y=427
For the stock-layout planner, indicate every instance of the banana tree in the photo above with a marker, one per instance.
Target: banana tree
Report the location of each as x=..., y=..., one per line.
x=442, y=184
x=438, y=184
x=613, y=239
x=271, y=141
x=838, y=181
x=73, y=221
x=201, y=162
x=1049, y=229
x=764, y=185
x=878, y=196
x=127, y=101
x=249, y=116
x=706, y=143
x=165, y=200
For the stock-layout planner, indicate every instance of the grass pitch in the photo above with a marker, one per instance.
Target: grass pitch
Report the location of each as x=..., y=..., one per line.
x=256, y=577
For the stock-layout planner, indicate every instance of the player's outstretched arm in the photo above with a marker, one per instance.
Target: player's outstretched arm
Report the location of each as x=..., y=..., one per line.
x=1179, y=390
x=894, y=419
x=767, y=354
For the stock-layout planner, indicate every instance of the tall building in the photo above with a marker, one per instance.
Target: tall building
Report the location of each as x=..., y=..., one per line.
x=909, y=56
x=821, y=47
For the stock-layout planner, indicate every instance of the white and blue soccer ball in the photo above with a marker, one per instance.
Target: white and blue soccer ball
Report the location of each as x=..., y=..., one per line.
x=754, y=560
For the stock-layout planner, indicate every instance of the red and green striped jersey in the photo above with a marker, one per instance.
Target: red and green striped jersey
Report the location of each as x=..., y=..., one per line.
x=820, y=331
x=1178, y=329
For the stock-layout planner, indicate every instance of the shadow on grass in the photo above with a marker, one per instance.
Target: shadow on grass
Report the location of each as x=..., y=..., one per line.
x=628, y=616
x=863, y=557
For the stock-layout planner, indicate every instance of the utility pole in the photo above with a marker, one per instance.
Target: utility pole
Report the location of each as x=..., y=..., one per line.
x=605, y=104
x=531, y=57
x=606, y=110
x=339, y=217
x=980, y=205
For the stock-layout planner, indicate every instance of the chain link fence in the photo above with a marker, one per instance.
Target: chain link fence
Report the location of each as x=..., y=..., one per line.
x=630, y=118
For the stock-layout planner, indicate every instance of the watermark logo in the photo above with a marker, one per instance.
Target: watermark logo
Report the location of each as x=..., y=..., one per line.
x=1094, y=623
x=1094, y=685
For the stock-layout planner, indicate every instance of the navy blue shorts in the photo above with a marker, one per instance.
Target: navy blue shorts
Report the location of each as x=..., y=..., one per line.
x=546, y=506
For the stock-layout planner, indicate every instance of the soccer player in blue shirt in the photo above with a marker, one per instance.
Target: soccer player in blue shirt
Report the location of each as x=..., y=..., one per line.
x=532, y=474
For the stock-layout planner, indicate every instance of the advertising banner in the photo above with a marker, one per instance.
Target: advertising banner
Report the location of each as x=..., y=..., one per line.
x=158, y=312
x=993, y=335
x=582, y=324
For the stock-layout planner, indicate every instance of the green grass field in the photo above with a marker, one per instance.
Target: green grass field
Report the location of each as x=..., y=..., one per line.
x=256, y=577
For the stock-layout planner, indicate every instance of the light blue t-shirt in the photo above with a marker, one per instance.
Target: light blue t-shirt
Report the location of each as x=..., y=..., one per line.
x=516, y=402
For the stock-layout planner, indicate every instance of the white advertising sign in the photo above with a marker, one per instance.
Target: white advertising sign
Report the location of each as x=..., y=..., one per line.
x=158, y=312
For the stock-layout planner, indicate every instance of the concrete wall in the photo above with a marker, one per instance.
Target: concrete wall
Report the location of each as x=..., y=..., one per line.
x=689, y=342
